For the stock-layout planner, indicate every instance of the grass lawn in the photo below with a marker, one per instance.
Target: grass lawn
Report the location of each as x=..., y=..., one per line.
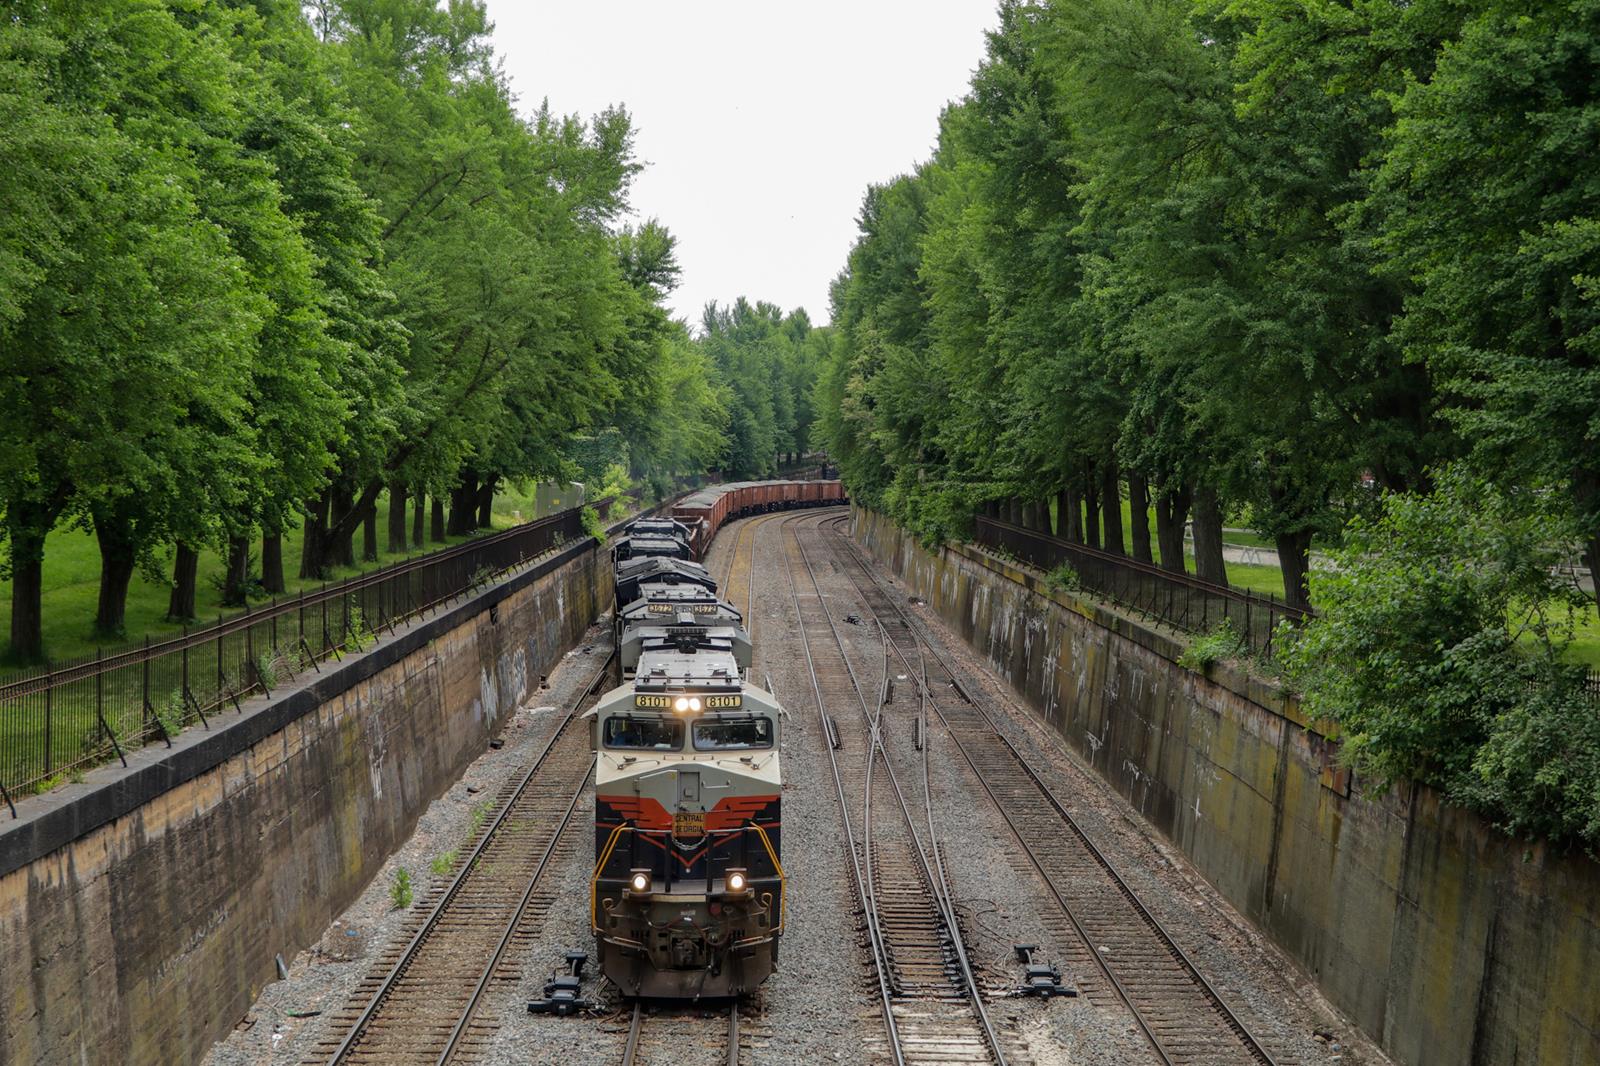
x=72, y=582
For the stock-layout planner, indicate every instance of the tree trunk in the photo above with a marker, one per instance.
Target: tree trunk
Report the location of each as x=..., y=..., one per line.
x=312, y=549
x=1172, y=510
x=1069, y=522
x=272, y=564
x=369, y=534
x=1030, y=515
x=1294, y=559
x=1091, y=514
x=27, y=589
x=486, y=502
x=1139, y=516
x=1111, y=507
x=118, y=553
x=436, y=533
x=237, y=579
x=339, y=540
x=1209, y=564
x=185, y=571
x=419, y=506
x=397, y=516
x=464, y=504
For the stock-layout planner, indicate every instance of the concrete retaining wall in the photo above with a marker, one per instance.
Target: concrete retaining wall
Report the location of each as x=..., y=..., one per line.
x=140, y=911
x=1446, y=941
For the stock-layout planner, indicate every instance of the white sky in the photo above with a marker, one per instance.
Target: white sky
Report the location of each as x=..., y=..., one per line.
x=761, y=123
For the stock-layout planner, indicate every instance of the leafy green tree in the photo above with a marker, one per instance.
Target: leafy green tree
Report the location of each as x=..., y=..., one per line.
x=126, y=353
x=1487, y=200
x=1438, y=650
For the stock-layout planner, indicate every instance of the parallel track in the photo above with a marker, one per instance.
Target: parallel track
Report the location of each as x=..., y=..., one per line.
x=932, y=1005
x=688, y=1032
x=421, y=1006
x=1178, y=1010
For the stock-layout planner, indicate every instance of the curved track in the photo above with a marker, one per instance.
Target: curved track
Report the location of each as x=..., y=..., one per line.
x=421, y=1005
x=932, y=1005
x=1182, y=1015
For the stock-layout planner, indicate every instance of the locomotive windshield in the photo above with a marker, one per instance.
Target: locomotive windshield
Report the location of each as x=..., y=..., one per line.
x=730, y=734
x=657, y=734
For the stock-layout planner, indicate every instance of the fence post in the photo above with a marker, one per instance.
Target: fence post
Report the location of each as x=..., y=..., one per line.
x=49, y=717
x=99, y=692
x=250, y=644
x=185, y=669
x=219, y=657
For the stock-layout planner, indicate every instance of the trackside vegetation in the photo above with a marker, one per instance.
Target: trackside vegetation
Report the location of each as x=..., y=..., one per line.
x=265, y=264
x=1329, y=268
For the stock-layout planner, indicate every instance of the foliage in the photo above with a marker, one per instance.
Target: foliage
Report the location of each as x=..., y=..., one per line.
x=260, y=262
x=400, y=891
x=1062, y=579
x=443, y=863
x=592, y=524
x=1438, y=649
x=1223, y=642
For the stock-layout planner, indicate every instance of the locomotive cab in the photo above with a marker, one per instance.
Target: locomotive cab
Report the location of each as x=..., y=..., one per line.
x=687, y=898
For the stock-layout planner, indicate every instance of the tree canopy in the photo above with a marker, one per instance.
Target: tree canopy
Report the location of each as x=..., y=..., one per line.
x=261, y=262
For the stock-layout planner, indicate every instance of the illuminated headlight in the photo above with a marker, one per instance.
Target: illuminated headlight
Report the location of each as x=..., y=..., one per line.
x=686, y=703
x=639, y=882
x=737, y=881
x=694, y=703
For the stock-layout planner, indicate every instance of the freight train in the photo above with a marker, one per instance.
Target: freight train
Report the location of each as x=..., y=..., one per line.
x=688, y=895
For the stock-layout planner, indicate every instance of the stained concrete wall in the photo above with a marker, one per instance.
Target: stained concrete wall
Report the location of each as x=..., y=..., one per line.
x=140, y=911
x=1448, y=942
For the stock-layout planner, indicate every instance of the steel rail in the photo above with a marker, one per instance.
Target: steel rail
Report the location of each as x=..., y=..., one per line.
x=880, y=951
x=1230, y=1018
x=398, y=971
x=939, y=887
x=630, y=1051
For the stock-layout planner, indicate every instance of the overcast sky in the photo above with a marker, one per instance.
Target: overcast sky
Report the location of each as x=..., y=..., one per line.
x=761, y=123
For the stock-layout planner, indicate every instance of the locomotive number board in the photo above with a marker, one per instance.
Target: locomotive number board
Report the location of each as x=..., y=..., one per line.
x=674, y=608
x=661, y=702
x=724, y=703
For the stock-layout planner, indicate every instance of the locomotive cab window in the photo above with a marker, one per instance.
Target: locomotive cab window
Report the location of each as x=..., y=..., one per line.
x=732, y=734
x=657, y=734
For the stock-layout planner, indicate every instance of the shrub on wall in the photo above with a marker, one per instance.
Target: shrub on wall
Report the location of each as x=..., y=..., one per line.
x=1438, y=649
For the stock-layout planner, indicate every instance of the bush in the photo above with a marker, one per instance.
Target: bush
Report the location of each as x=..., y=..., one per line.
x=1438, y=649
x=592, y=524
x=1222, y=643
x=400, y=891
x=1063, y=579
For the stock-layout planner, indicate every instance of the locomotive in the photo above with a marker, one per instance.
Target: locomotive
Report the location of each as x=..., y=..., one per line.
x=687, y=896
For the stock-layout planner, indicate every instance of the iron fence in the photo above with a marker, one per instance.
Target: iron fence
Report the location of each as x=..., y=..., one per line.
x=1177, y=599
x=58, y=721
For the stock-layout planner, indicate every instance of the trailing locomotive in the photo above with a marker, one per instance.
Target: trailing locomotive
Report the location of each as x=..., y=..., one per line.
x=687, y=897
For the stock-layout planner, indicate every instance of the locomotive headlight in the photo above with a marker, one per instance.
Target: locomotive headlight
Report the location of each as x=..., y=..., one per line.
x=681, y=705
x=694, y=703
x=639, y=882
x=737, y=881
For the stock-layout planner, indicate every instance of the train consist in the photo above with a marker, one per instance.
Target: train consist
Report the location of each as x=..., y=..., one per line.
x=687, y=899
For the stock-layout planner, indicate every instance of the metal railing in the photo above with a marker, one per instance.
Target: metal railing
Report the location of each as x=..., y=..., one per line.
x=1177, y=599
x=58, y=721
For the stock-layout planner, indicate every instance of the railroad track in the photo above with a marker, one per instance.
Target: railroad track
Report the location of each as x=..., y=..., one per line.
x=422, y=1003
x=1181, y=1014
x=684, y=1031
x=932, y=1005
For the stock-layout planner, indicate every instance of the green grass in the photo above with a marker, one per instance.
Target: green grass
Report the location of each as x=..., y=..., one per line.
x=72, y=582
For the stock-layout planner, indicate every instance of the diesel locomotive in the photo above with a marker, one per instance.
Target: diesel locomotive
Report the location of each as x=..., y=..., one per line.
x=688, y=892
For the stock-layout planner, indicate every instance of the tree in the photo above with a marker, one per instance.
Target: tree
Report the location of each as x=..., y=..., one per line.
x=1438, y=649
x=1486, y=200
